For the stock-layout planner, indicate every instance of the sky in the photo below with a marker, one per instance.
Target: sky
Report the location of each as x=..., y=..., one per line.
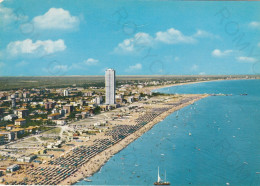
x=145, y=37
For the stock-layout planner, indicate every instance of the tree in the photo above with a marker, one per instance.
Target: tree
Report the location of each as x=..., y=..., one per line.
x=97, y=110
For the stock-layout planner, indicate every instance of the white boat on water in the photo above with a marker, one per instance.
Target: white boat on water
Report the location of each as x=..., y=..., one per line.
x=160, y=181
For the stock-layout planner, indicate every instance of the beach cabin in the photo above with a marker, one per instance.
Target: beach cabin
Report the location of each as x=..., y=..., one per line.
x=13, y=168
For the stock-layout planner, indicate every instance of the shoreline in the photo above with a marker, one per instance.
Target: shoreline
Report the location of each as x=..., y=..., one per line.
x=105, y=155
x=152, y=88
x=91, y=156
x=97, y=162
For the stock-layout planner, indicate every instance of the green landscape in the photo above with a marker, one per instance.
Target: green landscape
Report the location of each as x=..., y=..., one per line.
x=11, y=83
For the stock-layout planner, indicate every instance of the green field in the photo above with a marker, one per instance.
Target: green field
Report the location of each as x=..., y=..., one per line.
x=8, y=83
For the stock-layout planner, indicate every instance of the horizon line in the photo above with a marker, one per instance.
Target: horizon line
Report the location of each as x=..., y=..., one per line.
x=141, y=75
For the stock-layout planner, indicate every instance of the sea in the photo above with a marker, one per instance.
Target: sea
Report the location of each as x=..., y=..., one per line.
x=215, y=141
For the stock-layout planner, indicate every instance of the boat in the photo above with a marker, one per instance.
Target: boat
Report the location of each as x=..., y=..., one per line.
x=160, y=181
x=88, y=180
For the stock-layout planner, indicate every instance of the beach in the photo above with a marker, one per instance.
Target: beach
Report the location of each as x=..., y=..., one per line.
x=222, y=148
x=87, y=157
x=95, y=163
x=153, y=88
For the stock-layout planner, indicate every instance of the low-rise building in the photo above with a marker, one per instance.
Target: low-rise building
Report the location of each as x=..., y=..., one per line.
x=25, y=94
x=20, y=122
x=85, y=114
x=63, y=112
x=2, y=139
x=130, y=99
x=8, y=135
x=22, y=112
x=32, y=129
x=20, y=159
x=98, y=100
x=30, y=158
x=60, y=122
x=88, y=94
x=54, y=116
x=69, y=108
x=18, y=132
x=49, y=105
x=119, y=100
x=13, y=168
x=10, y=117
x=9, y=127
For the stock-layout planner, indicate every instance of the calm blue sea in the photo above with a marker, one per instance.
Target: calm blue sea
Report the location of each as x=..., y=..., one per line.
x=223, y=148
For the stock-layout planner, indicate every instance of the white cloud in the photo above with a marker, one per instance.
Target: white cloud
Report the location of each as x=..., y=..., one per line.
x=254, y=24
x=204, y=34
x=56, y=18
x=39, y=47
x=91, y=61
x=8, y=16
x=173, y=36
x=135, y=67
x=246, y=59
x=194, y=67
x=140, y=41
x=78, y=66
x=219, y=53
x=143, y=41
x=202, y=73
x=82, y=65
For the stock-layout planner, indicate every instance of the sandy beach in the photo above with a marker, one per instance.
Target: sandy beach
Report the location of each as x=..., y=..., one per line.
x=95, y=163
x=86, y=158
x=152, y=88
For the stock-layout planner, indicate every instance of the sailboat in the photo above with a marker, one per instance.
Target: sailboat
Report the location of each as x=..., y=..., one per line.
x=160, y=181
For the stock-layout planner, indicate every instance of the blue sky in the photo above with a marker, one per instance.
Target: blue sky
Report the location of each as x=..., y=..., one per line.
x=53, y=38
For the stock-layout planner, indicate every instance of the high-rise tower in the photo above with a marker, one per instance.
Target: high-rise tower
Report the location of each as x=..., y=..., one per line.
x=110, y=81
x=13, y=102
x=65, y=92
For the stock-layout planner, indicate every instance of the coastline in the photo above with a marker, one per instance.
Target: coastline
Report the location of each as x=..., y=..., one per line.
x=187, y=83
x=152, y=88
x=96, y=162
x=91, y=162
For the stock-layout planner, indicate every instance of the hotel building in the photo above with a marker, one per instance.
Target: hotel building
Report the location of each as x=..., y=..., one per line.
x=110, y=81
